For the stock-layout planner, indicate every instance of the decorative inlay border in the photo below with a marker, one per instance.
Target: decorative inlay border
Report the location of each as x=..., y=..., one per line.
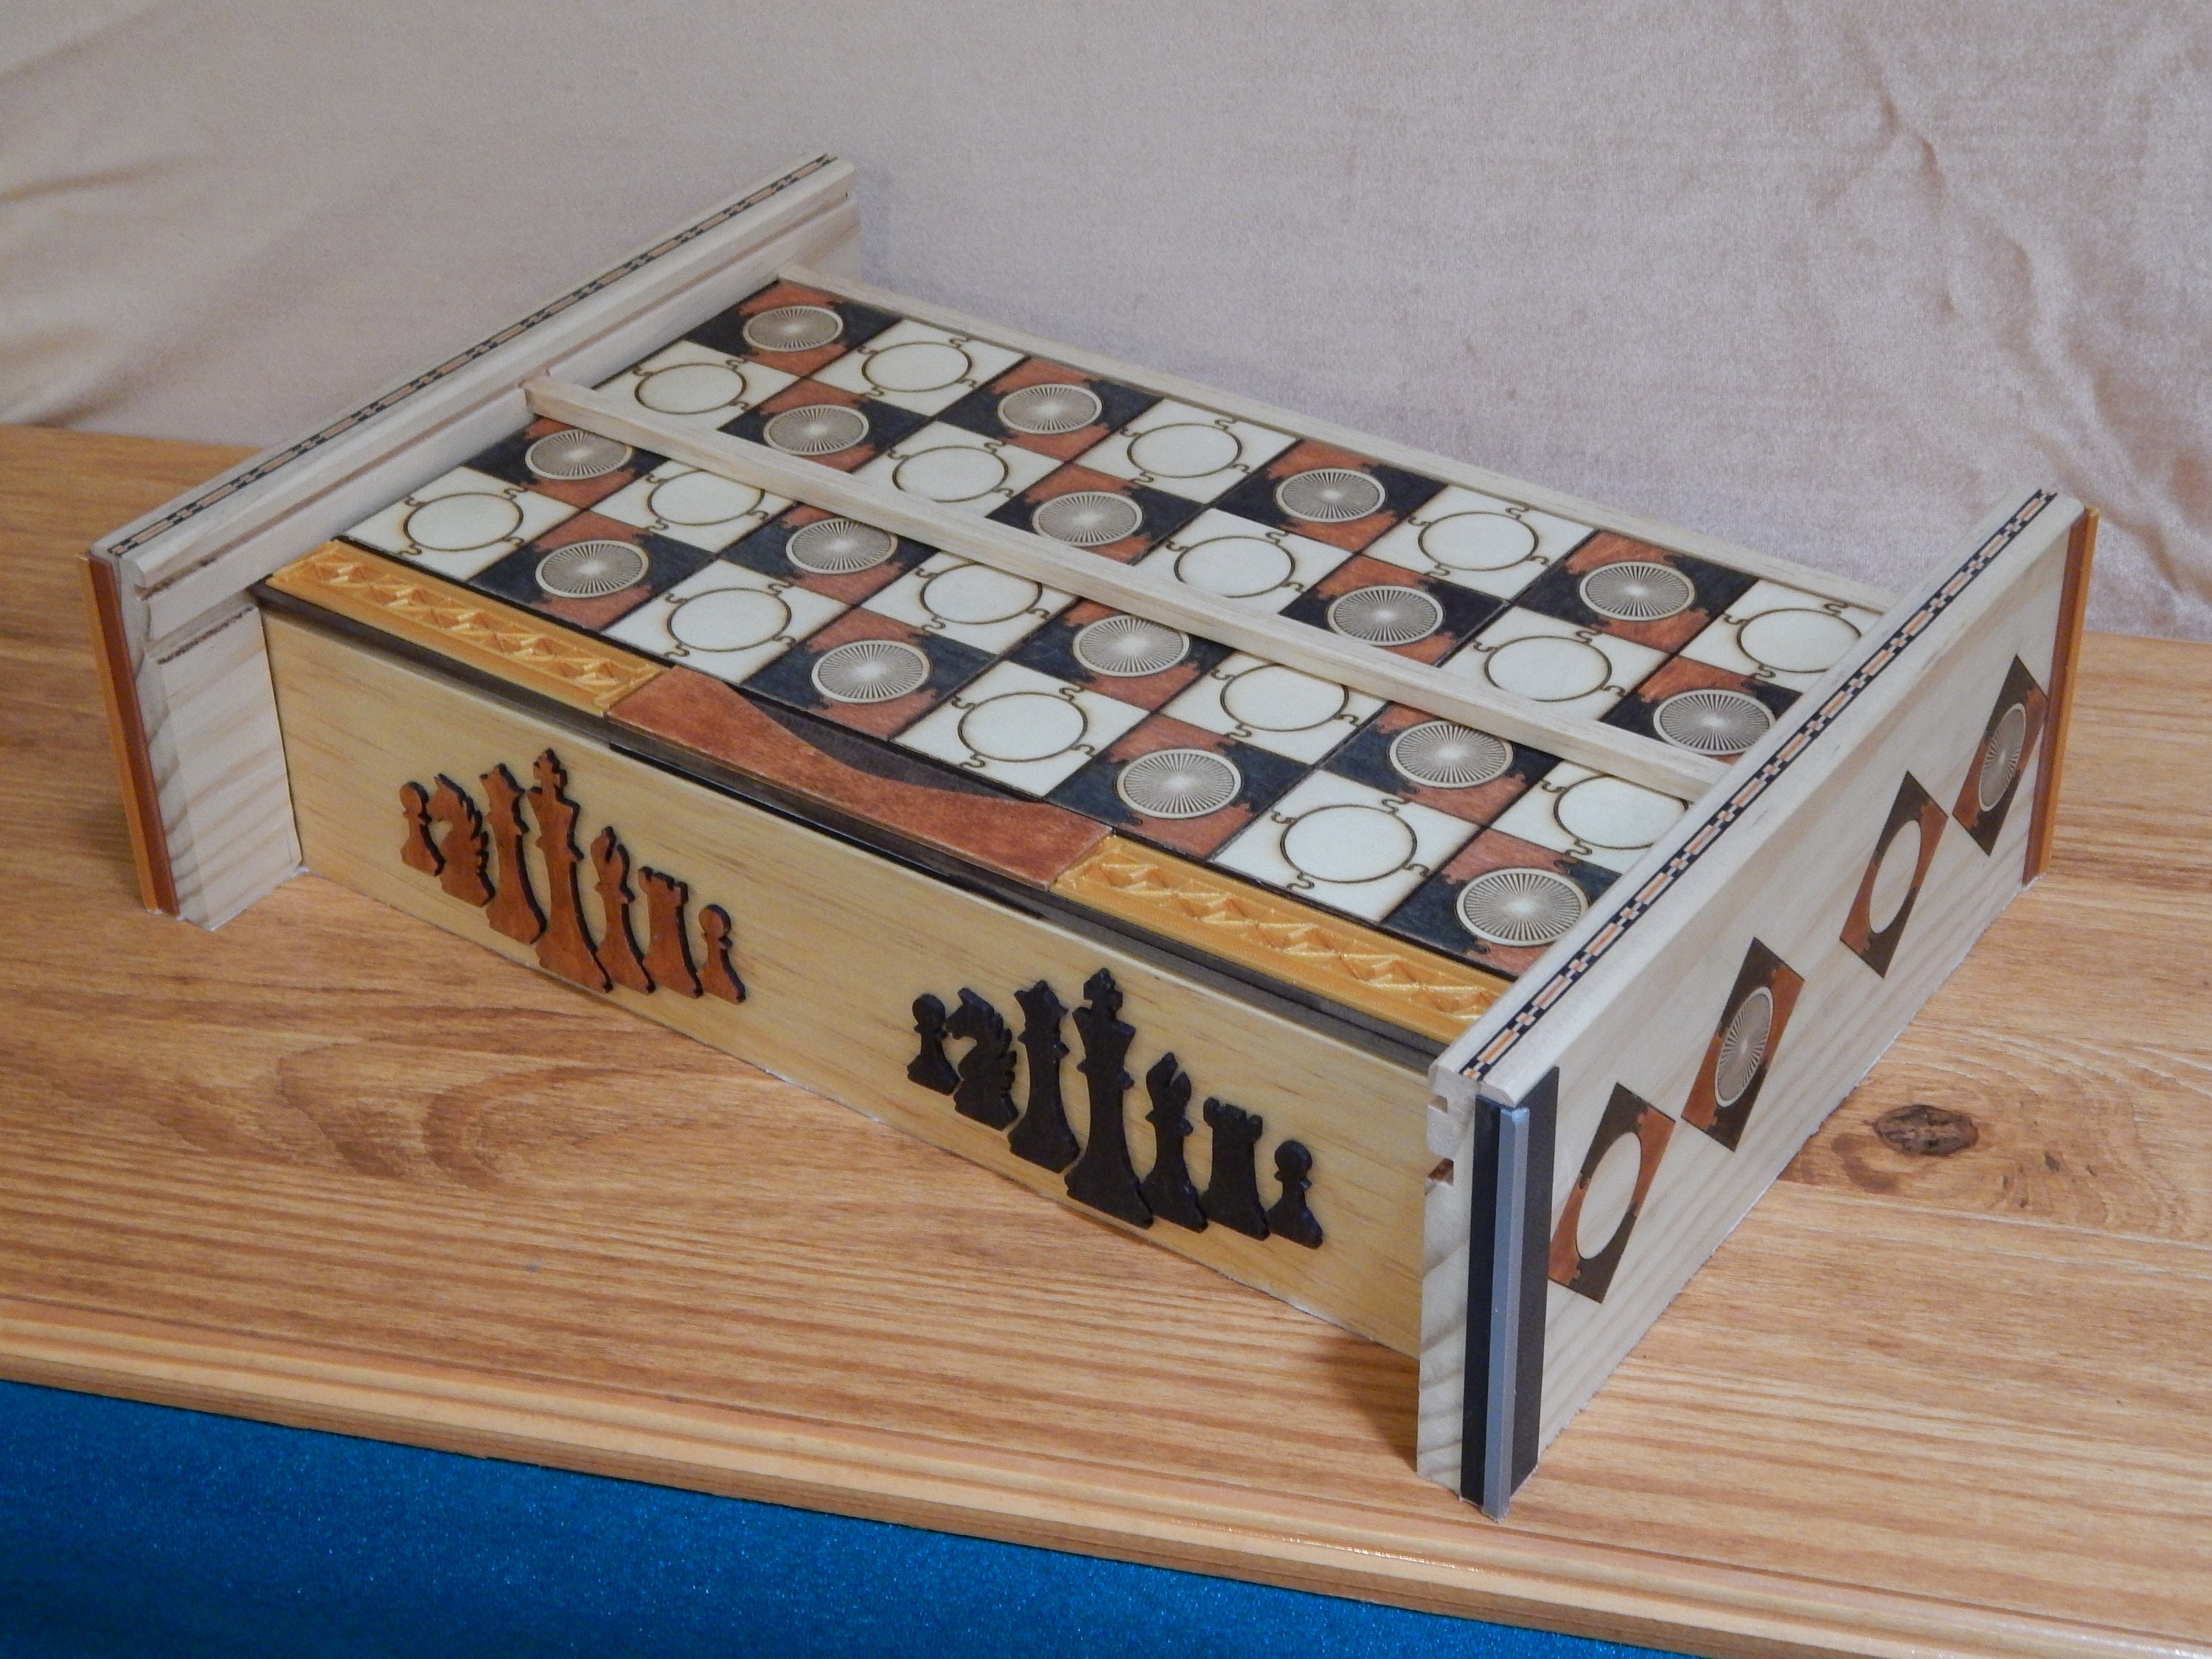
x=1340, y=960
x=483, y=633
x=1640, y=904
x=224, y=487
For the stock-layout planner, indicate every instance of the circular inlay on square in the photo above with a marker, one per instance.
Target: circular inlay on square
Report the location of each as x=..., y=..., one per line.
x=572, y=456
x=1023, y=726
x=916, y=366
x=1478, y=541
x=1330, y=495
x=1743, y=1045
x=729, y=619
x=1179, y=783
x=702, y=498
x=954, y=472
x=1349, y=843
x=1236, y=567
x=1184, y=449
x=1638, y=589
x=1612, y=813
x=1520, y=906
x=1611, y=1191
x=793, y=328
x=870, y=670
x=462, y=523
x=1386, y=615
x=590, y=570
x=1712, y=721
x=1548, y=668
x=1797, y=641
x=1046, y=411
x=1440, y=755
x=816, y=429
x=976, y=595
x=838, y=547
x=1088, y=517
x=2001, y=758
x=689, y=388
x=1893, y=877
x=1270, y=697
x=1126, y=646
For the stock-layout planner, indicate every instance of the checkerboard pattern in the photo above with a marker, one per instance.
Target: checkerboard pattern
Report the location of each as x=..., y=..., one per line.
x=1447, y=838
x=1595, y=625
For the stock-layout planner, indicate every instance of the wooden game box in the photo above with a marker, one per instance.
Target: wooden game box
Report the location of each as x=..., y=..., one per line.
x=1437, y=902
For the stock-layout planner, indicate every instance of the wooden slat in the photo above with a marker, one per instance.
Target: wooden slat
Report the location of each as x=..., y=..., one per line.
x=332, y=1167
x=1379, y=673
x=126, y=730
x=2072, y=610
x=1826, y=583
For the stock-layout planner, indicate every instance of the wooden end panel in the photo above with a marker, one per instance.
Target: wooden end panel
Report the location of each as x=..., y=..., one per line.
x=126, y=732
x=1031, y=841
x=2065, y=661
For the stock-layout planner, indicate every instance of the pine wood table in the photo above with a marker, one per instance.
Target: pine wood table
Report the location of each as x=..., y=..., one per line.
x=331, y=1167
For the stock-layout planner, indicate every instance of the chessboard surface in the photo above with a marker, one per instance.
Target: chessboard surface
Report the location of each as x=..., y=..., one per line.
x=1444, y=836
x=330, y=1166
x=1592, y=623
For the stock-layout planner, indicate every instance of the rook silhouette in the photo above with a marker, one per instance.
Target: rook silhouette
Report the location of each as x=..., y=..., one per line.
x=1232, y=1190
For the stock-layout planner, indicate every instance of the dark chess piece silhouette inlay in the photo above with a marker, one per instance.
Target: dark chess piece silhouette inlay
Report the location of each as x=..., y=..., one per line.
x=929, y=1067
x=1169, y=1189
x=1044, y=1136
x=1289, y=1218
x=1104, y=1177
x=1232, y=1191
x=986, y=1090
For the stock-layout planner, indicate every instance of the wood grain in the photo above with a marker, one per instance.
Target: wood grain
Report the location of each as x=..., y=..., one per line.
x=332, y=1167
x=835, y=944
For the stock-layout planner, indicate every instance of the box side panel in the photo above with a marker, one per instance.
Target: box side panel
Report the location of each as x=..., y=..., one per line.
x=1694, y=1059
x=837, y=948
x=217, y=765
x=1760, y=1018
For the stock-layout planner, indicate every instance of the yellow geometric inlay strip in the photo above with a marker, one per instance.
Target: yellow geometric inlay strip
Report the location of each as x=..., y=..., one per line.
x=426, y=610
x=1283, y=937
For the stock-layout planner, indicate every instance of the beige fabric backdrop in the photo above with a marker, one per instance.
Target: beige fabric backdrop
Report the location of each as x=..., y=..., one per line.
x=1825, y=279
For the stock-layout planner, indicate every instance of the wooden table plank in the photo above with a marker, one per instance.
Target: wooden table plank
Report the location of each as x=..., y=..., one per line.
x=329, y=1166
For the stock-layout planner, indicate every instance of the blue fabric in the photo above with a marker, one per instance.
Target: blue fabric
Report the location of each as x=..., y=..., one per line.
x=138, y=1530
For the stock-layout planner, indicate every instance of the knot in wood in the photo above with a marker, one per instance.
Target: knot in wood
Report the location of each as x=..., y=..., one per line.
x=1924, y=1130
